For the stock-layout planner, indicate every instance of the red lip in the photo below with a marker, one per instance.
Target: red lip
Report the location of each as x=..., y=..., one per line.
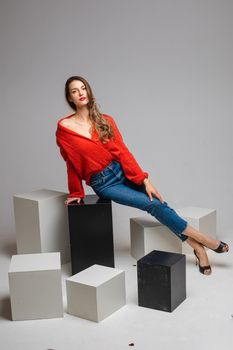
x=82, y=99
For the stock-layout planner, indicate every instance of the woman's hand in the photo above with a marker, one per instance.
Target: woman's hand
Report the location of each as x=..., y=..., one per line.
x=151, y=190
x=72, y=199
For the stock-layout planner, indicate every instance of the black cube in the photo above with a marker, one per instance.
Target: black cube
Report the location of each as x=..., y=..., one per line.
x=161, y=280
x=91, y=233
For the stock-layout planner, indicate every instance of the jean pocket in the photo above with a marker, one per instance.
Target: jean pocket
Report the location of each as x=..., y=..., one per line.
x=96, y=180
x=118, y=171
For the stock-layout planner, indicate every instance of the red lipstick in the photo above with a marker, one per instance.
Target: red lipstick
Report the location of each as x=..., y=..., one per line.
x=82, y=99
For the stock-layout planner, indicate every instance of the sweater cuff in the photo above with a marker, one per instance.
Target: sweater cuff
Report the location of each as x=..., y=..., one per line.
x=76, y=194
x=146, y=175
x=140, y=178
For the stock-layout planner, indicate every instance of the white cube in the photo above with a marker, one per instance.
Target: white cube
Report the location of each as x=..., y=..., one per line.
x=203, y=219
x=41, y=222
x=35, y=286
x=148, y=234
x=96, y=292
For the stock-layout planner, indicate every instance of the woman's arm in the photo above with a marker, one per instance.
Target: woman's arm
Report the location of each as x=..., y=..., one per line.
x=74, y=182
x=150, y=189
x=129, y=164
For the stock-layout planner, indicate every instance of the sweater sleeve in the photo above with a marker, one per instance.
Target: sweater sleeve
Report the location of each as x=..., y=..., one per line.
x=74, y=182
x=129, y=164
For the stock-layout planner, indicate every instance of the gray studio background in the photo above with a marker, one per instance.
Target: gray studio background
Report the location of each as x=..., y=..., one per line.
x=162, y=69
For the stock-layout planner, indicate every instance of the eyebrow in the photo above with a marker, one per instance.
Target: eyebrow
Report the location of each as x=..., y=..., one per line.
x=77, y=88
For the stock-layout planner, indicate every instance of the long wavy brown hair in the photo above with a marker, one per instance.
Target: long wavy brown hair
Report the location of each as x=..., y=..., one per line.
x=102, y=126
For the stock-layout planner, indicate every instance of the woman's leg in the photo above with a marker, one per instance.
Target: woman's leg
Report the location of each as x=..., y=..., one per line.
x=196, y=239
x=112, y=184
x=205, y=240
x=201, y=253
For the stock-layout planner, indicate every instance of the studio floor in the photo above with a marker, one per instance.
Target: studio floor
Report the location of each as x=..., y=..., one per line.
x=203, y=321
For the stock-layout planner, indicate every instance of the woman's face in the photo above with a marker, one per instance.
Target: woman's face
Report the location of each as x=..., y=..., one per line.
x=78, y=94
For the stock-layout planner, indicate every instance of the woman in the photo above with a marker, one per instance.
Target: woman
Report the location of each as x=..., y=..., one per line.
x=94, y=151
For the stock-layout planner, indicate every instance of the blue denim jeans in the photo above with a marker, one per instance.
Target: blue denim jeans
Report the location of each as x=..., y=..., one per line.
x=111, y=183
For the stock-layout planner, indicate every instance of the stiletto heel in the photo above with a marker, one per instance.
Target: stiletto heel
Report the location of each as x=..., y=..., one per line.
x=202, y=269
x=221, y=248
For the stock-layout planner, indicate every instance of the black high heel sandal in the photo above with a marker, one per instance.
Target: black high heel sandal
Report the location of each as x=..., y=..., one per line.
x=202, y=269
x=220, y=248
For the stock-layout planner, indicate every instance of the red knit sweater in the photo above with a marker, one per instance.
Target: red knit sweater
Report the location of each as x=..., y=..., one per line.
x=85, y=157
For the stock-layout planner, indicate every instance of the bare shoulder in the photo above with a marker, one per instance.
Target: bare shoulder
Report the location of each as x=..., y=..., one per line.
x=65, y=122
